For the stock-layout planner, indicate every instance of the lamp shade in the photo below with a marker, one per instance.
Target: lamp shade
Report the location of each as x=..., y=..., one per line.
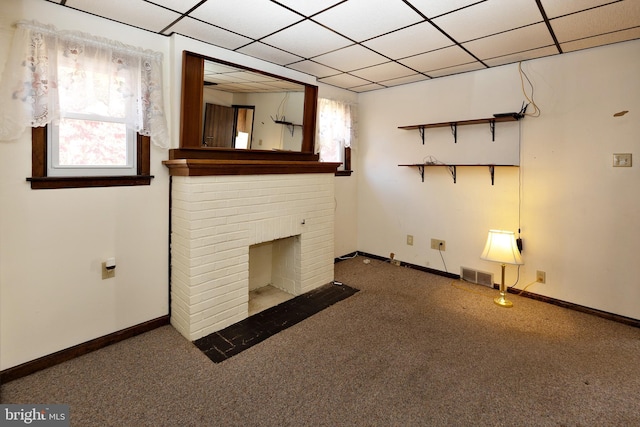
x=501, y=247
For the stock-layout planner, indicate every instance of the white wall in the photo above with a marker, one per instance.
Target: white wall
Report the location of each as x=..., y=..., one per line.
x=52, y=242
x=579, y=216
x=267, y=134
x=346, y=200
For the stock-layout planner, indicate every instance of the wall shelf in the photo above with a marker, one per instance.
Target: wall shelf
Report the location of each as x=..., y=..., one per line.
x=289, y=125
x=497, y=118
x=453, y=168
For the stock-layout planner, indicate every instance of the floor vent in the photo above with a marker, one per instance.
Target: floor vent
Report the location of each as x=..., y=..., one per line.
x=475, y=276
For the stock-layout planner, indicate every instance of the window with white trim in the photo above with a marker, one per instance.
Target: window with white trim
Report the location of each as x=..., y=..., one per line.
x=95, y=97
x=86, y=144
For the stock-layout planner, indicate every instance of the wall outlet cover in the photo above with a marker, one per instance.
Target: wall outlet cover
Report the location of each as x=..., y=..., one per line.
x=622, y=160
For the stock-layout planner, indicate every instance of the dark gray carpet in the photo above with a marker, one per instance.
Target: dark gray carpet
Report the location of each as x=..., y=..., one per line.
x=409, y=349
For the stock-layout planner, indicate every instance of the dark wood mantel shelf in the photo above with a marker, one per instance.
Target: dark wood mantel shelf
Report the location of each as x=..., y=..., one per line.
x=221, y=161
x=207, y=167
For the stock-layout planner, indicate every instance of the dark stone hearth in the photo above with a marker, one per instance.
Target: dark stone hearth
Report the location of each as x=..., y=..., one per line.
x=221, y=345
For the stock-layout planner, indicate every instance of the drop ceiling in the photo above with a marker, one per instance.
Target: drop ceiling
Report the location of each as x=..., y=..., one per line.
x=364, y=45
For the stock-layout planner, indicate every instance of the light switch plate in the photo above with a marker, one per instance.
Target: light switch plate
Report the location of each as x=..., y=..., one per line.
x=622, y=160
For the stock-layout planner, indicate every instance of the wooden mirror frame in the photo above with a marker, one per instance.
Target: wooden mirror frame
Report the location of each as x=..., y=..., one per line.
x=191, y=121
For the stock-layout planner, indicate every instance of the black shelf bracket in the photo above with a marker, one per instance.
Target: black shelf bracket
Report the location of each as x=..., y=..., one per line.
x=454, y=131
x=421, y=171
x=289, y=125
x=492, y=125
x=492, y=172
x=421, y=130
x=453, y=170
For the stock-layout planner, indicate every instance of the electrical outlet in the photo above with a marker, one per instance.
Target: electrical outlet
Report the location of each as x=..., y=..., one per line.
x=395, y=262
x=541, y=277
x=409, y=240
x=438, y=245
x=622, y=160
x=107, y=273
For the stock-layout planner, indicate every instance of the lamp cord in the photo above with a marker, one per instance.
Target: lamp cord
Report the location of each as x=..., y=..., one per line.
x=517, y=279
x=441, y=256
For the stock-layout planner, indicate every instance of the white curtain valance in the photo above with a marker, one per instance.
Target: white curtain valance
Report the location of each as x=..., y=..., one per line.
x=50, y=72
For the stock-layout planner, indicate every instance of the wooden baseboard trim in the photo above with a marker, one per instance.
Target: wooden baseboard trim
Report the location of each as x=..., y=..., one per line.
x=44, y=362
x=413, y=266
x=581, y=308
x=595, y=312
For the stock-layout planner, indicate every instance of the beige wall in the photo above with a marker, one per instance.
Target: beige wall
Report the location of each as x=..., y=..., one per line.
x=52, y=242
x=579, y=216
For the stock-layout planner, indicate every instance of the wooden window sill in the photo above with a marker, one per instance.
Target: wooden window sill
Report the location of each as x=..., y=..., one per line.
x=50, y=182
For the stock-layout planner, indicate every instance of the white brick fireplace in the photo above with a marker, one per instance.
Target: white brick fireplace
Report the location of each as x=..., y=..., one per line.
x=214, y=221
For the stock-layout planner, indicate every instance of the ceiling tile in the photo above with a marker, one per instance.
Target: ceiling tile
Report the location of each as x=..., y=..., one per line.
x=313, y=68
x=555, y=8
x=616, y=16
x=389, y=70
x=367, y=87
x=208, y=33
x=252, y=18
x=472, y=66
x=309, y=7
x=268, y=53
x=351, y=58
x=296, y=39
x=433, y=8
x=437, y=59
x=344, y=80
x=618, y=36
x=404, y=80
x=132, y=13
x=363, y=19
x=489, y=17
x=527, y=38
x=522, y=56
x=409, y=41
x=181, y=6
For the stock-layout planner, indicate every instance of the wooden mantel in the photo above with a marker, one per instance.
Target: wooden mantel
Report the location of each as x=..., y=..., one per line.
x=203, y=162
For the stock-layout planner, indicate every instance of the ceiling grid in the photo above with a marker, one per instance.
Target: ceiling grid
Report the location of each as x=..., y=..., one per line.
x=363, y=45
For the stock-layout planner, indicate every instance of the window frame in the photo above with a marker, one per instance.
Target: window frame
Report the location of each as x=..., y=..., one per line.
x=54, y=168
x=39, y=179
x=346, y=163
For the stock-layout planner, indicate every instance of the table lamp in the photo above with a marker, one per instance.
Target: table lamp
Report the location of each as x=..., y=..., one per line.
x=501, y=247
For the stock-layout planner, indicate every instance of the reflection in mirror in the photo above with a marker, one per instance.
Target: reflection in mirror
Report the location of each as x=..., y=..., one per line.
x=228, y=127
x=250, y=110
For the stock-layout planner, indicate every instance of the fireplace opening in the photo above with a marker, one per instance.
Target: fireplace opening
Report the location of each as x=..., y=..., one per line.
x=272, y=273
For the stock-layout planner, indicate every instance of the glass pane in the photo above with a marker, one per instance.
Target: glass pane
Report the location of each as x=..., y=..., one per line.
x=92, y=143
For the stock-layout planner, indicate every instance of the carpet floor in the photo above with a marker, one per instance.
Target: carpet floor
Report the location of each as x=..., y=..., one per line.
x=409, y=349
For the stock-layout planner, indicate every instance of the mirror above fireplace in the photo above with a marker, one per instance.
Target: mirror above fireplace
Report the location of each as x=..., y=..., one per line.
x=216, y=96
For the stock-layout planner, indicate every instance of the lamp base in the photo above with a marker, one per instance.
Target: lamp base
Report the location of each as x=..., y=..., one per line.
x=503, y=302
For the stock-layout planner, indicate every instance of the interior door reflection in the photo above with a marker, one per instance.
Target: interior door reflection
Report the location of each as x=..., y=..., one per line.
x=243, y=126
x=228, y=127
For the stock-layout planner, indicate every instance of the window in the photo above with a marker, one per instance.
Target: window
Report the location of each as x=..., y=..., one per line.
x=336, y=124
x=94, y=106
x=81, y=145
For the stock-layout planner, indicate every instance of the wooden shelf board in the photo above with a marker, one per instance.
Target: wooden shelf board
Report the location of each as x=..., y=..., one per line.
x=457, y=164
x=500, y=119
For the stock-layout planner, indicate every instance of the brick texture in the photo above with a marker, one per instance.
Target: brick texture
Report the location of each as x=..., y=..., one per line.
x=214, y=221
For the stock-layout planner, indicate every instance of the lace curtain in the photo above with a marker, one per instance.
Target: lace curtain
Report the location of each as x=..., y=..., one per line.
x=336, y=128
x=49, y=73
